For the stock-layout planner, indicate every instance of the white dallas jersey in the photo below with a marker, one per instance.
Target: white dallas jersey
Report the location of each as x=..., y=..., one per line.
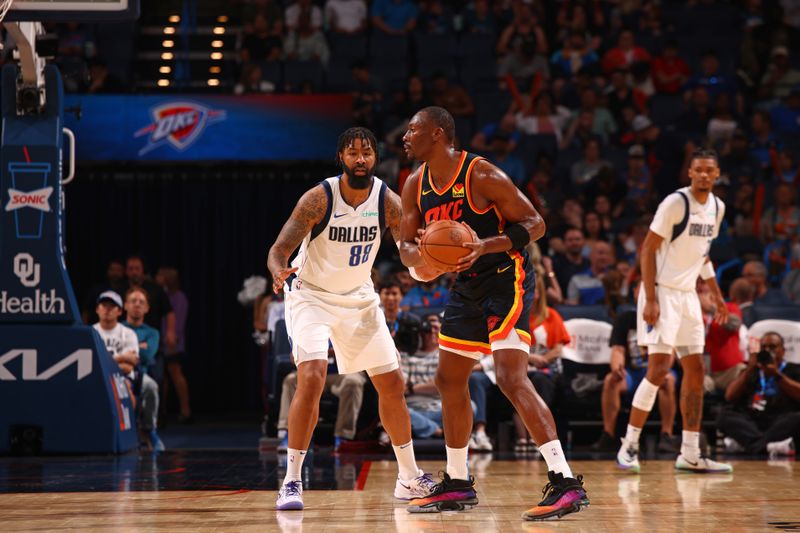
x=119, y=340
x=338, y=254
x=686, y=240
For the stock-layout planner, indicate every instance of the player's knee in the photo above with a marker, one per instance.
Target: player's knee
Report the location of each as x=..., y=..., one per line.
x=693, y=367
x=511, y=382
x=312, y=379
x=669, y=383
x=448, y=384
x=657, y=371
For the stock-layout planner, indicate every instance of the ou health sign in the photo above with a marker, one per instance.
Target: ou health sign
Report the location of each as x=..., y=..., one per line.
x=208, y=128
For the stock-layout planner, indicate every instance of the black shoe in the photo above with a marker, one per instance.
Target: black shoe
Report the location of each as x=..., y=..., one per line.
x=561, y=496
x=669, y=444
x=606, y=443
x=448, y=495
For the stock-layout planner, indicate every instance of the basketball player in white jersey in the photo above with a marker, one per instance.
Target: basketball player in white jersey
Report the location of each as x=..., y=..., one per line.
x=673, y=255
x=329, y=295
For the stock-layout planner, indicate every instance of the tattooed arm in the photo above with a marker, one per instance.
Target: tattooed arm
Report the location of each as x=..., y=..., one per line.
x=307, y=213
x=394, y=220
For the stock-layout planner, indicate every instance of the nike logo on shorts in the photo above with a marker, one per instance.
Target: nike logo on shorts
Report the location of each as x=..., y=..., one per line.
x=501, y=270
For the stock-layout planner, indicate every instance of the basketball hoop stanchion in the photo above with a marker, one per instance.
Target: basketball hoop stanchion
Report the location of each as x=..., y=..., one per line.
x=60, y=390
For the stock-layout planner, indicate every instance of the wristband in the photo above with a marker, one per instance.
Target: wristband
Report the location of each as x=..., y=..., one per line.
x=518, y=235
x=707, y=272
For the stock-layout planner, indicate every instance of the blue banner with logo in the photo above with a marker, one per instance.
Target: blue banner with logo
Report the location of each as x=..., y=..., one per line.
x=208, y=128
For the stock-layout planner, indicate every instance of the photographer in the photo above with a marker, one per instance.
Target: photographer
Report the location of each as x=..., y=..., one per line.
x=764, y=415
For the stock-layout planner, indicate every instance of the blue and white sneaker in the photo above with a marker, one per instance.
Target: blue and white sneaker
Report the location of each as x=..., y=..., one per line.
x=290, y=497
x=421, y=486
x=628, y=457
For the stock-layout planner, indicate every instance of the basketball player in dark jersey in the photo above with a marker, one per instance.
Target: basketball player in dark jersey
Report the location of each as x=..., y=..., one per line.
x=489, y=306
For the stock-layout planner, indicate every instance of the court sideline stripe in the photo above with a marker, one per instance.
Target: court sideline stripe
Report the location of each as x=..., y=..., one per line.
x=362, y=476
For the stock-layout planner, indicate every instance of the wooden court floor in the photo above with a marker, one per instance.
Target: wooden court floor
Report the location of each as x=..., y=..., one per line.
x=758, y=496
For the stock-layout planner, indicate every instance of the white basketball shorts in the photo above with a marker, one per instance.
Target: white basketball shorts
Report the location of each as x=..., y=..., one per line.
x=353, y=322
x=680, y=324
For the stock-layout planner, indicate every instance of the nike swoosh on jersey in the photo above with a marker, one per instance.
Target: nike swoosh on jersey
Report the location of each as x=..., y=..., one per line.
x=501, y=270
x=338, y=215
x=427, y=192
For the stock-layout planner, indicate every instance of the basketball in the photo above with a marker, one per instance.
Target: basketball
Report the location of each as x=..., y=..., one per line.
x=441, y=244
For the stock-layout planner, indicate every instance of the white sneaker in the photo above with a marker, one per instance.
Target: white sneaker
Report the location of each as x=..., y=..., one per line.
x=628, y=457
x=290, y=497
x=479, y=442
x=702, y=465
x=731, y=446
x=781, y=447
x=419, y=487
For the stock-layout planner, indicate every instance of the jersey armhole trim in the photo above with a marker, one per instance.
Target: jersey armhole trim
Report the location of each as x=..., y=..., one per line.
x=679, y=228
x=419, y=185
x=382, y=208
x=317, y=229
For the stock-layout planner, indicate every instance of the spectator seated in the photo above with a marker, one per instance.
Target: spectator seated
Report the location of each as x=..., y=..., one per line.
x=586, y=362
x=788, y=329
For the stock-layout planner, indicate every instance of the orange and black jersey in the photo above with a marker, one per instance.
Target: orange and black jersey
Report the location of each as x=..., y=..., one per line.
x=454, y=202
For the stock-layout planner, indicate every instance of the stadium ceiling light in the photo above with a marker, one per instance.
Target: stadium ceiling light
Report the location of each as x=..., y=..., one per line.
x=216, y=44
x=168, y=43
x=163, y=83
x=169, y=30
x=164, y=69
x=167, y=56
x=213, y=82
x=219, y=30
x=216, y=56
x=215, y=69
x=222, y=18
x=174, y=19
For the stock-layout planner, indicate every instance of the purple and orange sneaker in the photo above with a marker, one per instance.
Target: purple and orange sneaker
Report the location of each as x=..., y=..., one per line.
x=448, y=495
x=561, y=496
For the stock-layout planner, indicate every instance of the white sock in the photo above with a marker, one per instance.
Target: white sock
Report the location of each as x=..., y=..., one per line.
x=405, y=461
x=457, y=462
x=294, y=465
x=480, y=432
x=554, y=457
x=690, y=446
x=633, y=434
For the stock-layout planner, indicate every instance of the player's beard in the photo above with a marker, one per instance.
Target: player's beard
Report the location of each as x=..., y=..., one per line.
x=358, y=182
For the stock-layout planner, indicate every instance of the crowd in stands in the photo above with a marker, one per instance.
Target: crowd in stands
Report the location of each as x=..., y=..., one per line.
x=592, y=109
x=149, y=344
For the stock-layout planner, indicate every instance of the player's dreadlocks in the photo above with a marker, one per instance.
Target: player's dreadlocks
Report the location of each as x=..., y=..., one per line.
x=350, y=135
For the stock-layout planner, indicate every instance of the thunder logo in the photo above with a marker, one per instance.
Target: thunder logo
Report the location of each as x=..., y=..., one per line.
x=179, y=124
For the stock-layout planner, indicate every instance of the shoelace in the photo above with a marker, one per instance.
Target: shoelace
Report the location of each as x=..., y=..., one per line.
x=426, y=480
x=438, y=488
x=292, y=488
x=631, y=451
x=550, y=488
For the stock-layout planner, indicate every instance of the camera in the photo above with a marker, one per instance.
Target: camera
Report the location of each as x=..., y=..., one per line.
x=764, y=358
x=406, y=339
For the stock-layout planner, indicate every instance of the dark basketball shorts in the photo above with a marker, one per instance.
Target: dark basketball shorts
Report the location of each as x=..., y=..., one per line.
x=490, y=310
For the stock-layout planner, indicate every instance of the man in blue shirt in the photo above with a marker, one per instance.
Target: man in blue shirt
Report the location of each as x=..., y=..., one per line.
x=586, y=288
x=136, y=307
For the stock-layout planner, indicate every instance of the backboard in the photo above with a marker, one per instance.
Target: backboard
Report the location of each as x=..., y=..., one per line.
x=73, y=10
